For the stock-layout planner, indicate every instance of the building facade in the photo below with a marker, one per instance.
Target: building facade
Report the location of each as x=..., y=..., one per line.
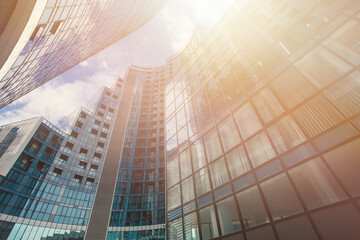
x=41, y=39
x=262, y=126
x=49, y=175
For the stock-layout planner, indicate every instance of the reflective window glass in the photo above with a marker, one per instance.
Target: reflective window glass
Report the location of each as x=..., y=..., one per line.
x=316, y=116
x=212, y=145
x=187, y=190
x=322, y=67
x=218, y=173
x=252, y=207
x=285, y=134
x=316, y=185
x=197, y=154
x=202, y=184
x=237, y=161
x=247, y=120
x=185, y=163
x=208, y=223
x=191, y=226
x=228, y=134
x=228, y=217
x=259, y=149
x=267, y=105
x=281, y=197
x=173, y=197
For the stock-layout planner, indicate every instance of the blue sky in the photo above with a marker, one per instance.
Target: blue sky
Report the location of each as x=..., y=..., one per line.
x=149, y=46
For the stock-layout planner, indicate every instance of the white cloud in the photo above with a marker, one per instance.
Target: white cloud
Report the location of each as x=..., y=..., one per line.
x=56, y=99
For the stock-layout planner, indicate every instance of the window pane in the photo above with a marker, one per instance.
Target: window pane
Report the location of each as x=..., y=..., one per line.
x=247, y=121
x=292, y=88
x=198, y=156
x=267, y=105
x=228, y=217
x=316, y=116
x=187, y=190
x=208, y=223
x=346, y=94
x=218, y=173
x=252, y=208
x=173, y=197
x=191, y=226
x=316, y=184
x=172, y=172
x=344, y=161
x=285, y=134
x=260, y=149
x=202, y=184
x=185, y=163
x=237, y=161
x=212, y=145
x=322, y=67
x=228, y=134
x=175, y=230
x=281, y=197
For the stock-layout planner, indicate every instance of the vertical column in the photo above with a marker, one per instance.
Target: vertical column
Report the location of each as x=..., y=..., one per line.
x=100, y=214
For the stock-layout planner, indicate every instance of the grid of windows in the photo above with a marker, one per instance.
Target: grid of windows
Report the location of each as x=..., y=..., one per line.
x=67, y=33
x=271, y=113
x=58, y=174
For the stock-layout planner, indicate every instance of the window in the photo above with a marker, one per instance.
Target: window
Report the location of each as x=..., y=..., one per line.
x=228, y=134
x=191, y=227
x=57, y=172
x=267, y=105
x=228, y=217
x=218, y=173
x=94, y=132
x=69, y=145
x=202, y=184
x=208, y=223
x=322, y=67
x=238, y=162
x=292, y=88
x=285, y=134
x=316, y=116
x=212, y=145
x=344, y=161
x=64, y=157
x=197, y=153
x=316, y=185
x=77, y=178
x=173, y=197
x=259, y=149
x=281, y=197
x=172, y=172
x=83, y=151
x=101, y=144
x=185, y=163
x=82, y=165
x=345, y=94
x=187, y=190
x=247, y=121
x=252, y=207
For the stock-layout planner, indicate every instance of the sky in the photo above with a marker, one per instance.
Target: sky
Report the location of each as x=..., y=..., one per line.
x=149, y=46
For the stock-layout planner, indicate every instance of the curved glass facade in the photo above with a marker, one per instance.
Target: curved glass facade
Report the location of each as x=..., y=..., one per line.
x=48, y=192
x=61, y=34
x=262, y=126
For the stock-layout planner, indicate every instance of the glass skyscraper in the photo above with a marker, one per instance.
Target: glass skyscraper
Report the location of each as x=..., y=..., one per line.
x=49, y=174
x=263, y=124
x=41, y=39
x=251, y=131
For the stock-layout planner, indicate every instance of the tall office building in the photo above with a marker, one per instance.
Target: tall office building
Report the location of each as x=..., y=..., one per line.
x=41, y=39
x=49, y=175
x=257, y=122
x=263, y=124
